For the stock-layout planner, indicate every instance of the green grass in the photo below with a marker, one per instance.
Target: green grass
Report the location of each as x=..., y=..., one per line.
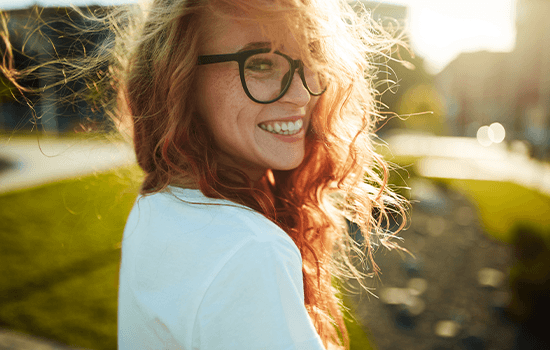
x=359, y=338
x=59, y=260
x=503, y=205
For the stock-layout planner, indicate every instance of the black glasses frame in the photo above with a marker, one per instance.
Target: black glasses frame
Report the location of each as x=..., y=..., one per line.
x=241, y=58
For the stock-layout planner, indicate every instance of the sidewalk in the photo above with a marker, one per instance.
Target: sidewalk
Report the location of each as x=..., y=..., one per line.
x=465, y=158
x=35, y=162
x=19, y=341
x=51, y=159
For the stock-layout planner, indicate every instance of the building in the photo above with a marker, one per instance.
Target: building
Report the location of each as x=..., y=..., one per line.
x=38, y=35
x=510, y=88
x=382, y=10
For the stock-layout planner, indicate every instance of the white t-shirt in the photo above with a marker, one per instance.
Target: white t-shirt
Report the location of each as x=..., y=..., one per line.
x=217, y=276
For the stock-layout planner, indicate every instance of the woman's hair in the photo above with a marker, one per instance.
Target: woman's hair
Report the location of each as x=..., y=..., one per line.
x=153, y=57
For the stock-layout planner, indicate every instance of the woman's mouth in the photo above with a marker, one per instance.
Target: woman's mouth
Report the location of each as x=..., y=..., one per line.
x=283, y=128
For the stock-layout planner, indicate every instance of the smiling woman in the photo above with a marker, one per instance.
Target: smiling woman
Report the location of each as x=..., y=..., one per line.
x=272, y=99
x=253, y=123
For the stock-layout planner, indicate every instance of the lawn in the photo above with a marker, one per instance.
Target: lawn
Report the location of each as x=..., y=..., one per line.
x=504, y=205
x=59, y=249
x=501, y=206
x=59, y=259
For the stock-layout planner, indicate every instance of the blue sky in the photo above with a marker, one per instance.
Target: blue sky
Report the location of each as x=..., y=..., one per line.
x=440, y=29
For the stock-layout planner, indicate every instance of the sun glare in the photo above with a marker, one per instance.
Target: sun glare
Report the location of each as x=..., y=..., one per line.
x=441, y=30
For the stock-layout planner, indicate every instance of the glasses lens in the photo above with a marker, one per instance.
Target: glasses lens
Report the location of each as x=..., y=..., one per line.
x=316, y=82
x=266, y=75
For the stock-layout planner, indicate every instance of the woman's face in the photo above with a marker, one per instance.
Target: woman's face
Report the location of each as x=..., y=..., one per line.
x=239, y=125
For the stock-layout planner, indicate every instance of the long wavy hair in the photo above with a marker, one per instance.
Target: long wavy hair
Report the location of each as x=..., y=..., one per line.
x=149, y=92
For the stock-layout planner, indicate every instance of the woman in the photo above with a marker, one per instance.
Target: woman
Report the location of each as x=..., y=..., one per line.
x=252, y=121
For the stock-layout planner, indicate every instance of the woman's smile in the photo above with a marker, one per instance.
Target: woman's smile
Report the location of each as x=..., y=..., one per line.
x=291, y=126
x=253, y=136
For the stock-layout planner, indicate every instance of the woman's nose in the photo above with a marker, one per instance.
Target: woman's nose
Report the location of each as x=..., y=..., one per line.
x=297, y=92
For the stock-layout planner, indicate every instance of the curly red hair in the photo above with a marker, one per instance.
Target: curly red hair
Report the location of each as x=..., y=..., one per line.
x=341, y=175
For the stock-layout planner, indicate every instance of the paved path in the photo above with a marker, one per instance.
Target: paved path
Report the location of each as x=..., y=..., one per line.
x=34, y=162
x=465, y=158
x=19, y=341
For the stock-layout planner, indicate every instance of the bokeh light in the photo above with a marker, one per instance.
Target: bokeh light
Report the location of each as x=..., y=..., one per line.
x=498, y=132
x=485, y=136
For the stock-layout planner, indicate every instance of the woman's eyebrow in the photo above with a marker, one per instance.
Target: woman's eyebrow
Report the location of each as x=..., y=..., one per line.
x=255, y=45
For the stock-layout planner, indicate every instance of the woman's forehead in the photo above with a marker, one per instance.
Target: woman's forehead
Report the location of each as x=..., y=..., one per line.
x=228, y=34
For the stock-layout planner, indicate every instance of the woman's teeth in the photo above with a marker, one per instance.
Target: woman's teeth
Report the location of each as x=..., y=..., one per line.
x=283, y=128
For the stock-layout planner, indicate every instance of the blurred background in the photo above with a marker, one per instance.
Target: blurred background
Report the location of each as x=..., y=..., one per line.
x=467, y=132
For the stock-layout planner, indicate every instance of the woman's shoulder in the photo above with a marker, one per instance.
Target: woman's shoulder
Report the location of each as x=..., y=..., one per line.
x=187, y=237
x=210, y=270
x=188, y=213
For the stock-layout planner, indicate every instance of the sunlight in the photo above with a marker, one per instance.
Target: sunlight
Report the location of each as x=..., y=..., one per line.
x=441, y=36
x=440, y=30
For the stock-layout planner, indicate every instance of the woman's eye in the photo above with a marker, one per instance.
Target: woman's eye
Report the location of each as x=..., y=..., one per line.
x=259, y=65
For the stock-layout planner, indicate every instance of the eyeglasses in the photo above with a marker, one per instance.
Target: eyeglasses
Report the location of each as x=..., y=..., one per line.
x=266, y=75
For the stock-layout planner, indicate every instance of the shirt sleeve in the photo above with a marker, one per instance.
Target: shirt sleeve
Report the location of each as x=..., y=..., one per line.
x=256, y=301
